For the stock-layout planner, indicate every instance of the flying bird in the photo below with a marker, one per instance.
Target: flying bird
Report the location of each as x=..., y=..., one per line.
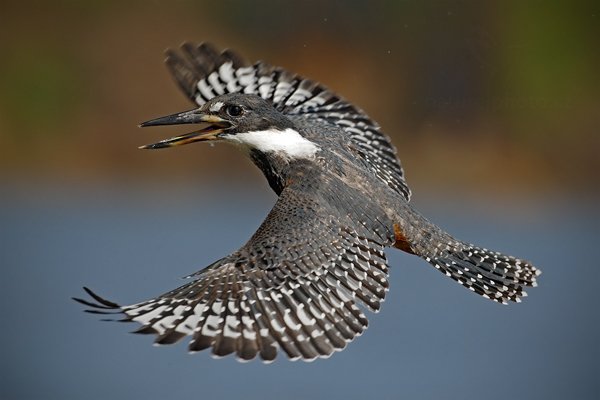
x=301, y=282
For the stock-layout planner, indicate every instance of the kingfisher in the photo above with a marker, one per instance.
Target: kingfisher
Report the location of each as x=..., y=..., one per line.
x=302, y=282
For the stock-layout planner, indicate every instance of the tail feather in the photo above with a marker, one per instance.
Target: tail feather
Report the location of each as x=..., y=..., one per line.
x=493, y=275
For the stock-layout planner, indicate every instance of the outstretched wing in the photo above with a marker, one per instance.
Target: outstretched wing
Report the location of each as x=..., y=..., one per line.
x=294, y=285
x=203, y=73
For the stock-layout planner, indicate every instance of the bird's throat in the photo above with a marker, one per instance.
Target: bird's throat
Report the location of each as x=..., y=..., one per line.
x=287, y=143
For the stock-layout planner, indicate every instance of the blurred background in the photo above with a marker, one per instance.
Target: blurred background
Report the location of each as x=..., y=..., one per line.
x=494, y=110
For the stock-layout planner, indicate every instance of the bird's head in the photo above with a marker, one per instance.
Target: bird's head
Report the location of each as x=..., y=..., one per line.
x=243, y=119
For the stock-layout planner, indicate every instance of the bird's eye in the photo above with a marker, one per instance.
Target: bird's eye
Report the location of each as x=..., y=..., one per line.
x=234, y=111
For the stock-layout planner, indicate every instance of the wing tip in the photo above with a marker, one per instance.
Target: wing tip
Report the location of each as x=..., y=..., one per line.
x=99, y=305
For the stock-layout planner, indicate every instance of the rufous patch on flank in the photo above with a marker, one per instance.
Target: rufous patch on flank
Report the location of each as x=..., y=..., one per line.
x=401, y=240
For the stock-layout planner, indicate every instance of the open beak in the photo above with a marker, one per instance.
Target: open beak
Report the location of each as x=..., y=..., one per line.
x=216, y=125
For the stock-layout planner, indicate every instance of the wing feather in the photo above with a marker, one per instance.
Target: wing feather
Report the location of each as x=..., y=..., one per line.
x=295, y=285
x=202, y=72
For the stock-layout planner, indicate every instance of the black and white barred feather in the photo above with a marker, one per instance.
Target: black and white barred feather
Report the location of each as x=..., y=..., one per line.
x=294, y=286
x=203, y=73
x=491, y=274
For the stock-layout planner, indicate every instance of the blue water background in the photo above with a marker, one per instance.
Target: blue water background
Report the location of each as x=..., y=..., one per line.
x=432, y=340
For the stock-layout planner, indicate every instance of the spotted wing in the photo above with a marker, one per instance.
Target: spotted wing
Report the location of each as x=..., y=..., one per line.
x=203, y=73
x=294, y=286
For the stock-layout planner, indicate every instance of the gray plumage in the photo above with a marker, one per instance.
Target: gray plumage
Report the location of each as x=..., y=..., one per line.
x=298, y=282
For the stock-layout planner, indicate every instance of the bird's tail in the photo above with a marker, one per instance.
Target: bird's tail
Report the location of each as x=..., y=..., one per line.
x=493, y=275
